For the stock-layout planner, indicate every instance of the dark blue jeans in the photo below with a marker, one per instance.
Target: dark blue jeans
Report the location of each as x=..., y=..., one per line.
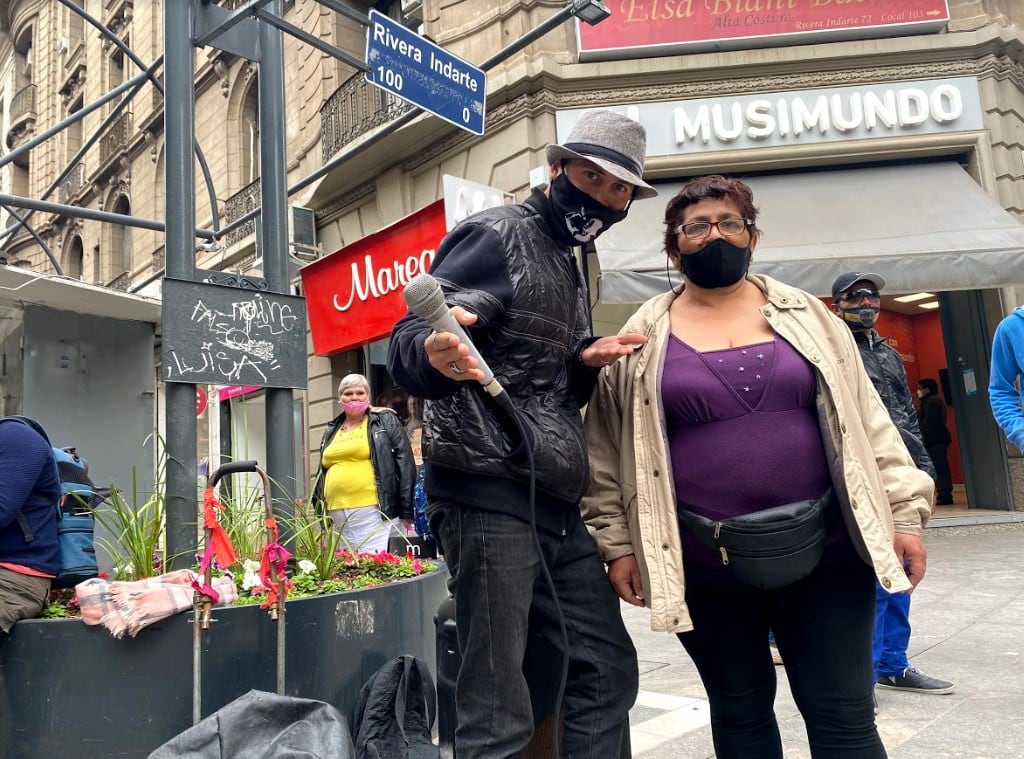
x=822, y=626
x=502, y=602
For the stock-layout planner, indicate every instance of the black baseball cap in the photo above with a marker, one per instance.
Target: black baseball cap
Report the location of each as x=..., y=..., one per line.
x=845, y=281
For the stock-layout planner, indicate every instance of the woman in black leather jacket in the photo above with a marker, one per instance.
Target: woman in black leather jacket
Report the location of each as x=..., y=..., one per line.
x=367, y=469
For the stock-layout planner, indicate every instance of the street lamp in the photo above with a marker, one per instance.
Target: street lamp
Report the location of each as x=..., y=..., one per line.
x=590, y=11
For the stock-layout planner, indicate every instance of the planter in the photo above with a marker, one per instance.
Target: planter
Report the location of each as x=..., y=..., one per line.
x=73, y=690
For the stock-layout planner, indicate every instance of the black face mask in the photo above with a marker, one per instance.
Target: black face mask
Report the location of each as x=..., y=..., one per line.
x=717, y=264
x=860, y=318
x=583, y=216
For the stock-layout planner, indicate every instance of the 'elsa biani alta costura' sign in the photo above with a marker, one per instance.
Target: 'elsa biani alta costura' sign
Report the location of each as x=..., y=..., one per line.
x=220, y=335
x=640, y=28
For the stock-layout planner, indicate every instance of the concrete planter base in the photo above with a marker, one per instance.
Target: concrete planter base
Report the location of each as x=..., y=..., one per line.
x=73, y=690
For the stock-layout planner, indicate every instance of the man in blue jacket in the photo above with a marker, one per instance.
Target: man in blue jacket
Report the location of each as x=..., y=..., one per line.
x=511, y=274
x=857, y=300
x=29, y=485
x=1007, y=369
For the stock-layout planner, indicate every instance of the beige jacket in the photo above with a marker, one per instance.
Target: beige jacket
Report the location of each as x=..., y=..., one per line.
x=631, y=506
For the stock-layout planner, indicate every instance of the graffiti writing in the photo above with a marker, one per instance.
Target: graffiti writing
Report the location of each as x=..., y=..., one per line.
x=237, y=341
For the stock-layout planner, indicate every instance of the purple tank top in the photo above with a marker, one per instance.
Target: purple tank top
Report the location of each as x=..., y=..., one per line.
x=743, y=435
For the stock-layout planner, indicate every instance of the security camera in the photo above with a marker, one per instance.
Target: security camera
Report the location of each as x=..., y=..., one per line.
x=208, y=246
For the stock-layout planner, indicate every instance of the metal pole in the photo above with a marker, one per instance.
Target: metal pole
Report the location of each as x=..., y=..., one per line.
x=179, y=135
x=274, y=220
x=81, y=212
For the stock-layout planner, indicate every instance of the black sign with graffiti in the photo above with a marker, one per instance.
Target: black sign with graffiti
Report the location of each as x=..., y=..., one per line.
x=213, y=334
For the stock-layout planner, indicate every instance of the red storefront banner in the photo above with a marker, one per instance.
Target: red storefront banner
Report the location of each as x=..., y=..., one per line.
x=659, y=27
x=354, y=295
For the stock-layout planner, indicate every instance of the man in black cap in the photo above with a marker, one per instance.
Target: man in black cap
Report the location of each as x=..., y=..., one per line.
x=512, y=278
x=856, y=297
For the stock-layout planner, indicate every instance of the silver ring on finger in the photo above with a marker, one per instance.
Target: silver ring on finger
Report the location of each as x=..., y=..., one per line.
x=454, y=367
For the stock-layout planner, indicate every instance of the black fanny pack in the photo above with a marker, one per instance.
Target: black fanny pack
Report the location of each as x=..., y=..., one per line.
x=770, y=548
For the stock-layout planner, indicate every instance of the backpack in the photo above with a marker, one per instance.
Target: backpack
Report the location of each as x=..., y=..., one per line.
x=75, y=521
x=395, y=712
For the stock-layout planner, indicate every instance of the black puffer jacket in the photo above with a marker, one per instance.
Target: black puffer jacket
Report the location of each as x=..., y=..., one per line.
x=885, y=369
x=505, y=265
x=394, y=471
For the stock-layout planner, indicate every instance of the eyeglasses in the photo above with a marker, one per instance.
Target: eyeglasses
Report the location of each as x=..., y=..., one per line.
x=857, y=295
x=729, y=227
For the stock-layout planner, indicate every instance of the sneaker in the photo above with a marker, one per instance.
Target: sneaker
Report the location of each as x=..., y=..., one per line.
x=776, y=656
x=915, y=681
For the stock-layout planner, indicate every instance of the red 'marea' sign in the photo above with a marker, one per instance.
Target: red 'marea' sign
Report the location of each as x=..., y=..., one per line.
x=354, y=295
x=661, y=27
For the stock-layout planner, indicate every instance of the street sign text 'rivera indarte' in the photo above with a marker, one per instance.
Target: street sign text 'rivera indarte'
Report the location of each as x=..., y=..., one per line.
x=415, y=69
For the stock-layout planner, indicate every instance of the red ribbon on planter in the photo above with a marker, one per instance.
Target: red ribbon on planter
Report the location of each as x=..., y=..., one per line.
x=218, y=544
x=274, y=555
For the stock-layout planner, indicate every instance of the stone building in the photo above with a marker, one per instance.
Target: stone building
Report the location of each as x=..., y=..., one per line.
x=944, y=83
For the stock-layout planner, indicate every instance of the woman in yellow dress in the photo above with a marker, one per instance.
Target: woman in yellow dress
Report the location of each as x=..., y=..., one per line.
x=367, y=469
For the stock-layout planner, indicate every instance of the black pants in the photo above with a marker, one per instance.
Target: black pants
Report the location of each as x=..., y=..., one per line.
x=822, y=626
x=501, y=602
x=943, y=478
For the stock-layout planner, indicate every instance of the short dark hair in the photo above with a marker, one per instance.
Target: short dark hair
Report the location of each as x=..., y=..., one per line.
x=701, y=188
x=929, y=384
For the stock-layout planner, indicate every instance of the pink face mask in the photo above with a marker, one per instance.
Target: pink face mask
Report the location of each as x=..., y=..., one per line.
x=355, y=407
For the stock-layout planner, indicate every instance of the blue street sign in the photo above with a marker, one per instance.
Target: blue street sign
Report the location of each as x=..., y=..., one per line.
x=415, y=69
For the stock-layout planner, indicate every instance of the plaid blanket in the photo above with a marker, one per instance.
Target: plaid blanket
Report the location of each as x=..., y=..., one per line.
x=126, y=607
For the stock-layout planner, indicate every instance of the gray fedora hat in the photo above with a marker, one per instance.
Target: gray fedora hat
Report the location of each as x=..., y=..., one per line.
x=614, y=142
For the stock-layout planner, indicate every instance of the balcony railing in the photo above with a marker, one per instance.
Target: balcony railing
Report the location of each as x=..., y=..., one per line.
x=354, y=109
x=23, y=103
x=116, y=138
x=72, y=183
x=239, y=204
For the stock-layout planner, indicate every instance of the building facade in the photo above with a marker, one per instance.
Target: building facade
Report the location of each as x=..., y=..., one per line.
x=954, y=74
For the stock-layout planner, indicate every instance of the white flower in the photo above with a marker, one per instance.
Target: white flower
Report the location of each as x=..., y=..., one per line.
x=307, y=567
x=251, y=579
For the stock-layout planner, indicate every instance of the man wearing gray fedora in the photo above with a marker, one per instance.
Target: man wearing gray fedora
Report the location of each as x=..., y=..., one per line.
x=520, y=559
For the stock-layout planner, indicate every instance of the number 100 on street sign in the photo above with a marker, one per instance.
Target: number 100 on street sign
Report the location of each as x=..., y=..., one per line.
x=415, y=69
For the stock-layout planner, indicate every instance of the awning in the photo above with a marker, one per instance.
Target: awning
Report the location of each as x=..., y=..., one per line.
x=22, y=286
x=925, y=226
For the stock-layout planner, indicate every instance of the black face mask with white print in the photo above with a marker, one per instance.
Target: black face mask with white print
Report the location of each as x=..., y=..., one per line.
x=584, y=217
x=717, y=264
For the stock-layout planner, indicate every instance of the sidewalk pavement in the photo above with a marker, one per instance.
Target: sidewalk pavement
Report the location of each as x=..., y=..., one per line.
x=968, y=628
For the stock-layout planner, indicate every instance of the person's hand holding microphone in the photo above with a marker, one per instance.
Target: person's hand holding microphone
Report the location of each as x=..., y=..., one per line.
x=449, y=355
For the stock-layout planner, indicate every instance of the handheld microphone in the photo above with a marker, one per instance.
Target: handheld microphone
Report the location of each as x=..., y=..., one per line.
x=424, y=297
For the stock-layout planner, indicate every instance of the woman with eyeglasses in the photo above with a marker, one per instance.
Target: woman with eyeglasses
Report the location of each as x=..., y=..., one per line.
x=746, y=478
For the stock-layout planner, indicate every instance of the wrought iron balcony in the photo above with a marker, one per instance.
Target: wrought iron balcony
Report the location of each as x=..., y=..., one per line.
x=72, y=183
x=354, y=109
x=116, y=138
x=239, y=204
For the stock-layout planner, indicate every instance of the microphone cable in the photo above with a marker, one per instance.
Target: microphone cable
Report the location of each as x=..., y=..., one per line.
x=505, y=404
